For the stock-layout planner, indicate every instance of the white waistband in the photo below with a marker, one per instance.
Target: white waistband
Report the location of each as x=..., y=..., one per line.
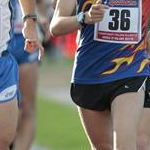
x=3, y=48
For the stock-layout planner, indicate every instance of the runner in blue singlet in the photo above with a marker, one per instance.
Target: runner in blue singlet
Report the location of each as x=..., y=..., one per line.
x=110, y=68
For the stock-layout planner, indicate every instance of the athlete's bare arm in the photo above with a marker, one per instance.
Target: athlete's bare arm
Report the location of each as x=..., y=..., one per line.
x=29, y=31
x=63, y=22
x=28, y=6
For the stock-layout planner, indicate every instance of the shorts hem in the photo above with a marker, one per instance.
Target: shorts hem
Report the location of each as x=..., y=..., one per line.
x=94, y=109
x=10, y=99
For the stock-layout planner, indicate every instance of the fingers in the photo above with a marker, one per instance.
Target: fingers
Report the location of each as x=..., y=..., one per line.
x=41, y=52
x=99, y=6
x=96, y=12
x=32, y=45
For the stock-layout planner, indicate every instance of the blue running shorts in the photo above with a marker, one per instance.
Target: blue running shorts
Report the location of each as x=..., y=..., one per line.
x=19, y=53
x=9, y=79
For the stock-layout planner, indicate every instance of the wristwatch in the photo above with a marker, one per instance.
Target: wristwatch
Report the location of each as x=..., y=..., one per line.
x=29, y=16
x=81, y=18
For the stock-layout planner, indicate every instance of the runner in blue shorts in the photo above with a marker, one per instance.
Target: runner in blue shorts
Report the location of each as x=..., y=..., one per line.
x=110, y=69
x=28, y=69
x=9, y=91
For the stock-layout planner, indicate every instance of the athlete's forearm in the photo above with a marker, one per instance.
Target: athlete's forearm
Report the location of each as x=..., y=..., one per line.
x=63, y=22
x=63, y=25
x=32, y=42
x=27, y=6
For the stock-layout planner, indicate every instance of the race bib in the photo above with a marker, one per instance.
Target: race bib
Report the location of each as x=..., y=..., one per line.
x=122, y=22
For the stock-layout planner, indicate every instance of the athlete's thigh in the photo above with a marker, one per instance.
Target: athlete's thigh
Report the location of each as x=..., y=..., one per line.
x=126, y=110
x=144, y=127
x=8, y=119
x=28, y=84
x=97, y=125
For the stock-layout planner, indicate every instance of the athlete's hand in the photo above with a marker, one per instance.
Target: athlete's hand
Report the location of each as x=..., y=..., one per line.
x=96, y=13
x=32, y=42
x=148, y=46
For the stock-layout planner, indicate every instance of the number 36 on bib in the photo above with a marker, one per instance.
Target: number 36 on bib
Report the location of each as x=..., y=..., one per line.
x=122, y=23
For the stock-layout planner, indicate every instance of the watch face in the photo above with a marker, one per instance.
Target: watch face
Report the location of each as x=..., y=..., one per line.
x=80, y=17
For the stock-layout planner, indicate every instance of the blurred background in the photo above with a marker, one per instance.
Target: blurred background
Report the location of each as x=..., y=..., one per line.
x=58, y=124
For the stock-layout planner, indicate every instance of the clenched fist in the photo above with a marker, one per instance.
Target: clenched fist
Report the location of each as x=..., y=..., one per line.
x=96, y=13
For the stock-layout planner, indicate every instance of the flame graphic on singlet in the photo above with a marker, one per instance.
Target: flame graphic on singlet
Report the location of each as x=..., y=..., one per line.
x=86, y=3
x=128, y=59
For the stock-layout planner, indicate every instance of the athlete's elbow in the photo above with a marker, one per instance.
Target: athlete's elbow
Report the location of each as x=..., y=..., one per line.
x=55, y=30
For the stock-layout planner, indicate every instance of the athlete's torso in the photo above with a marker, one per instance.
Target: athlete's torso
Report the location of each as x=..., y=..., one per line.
x=119, y=49
x=5, y=22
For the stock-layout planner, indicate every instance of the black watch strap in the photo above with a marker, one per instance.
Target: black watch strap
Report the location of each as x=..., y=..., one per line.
x=29, y=16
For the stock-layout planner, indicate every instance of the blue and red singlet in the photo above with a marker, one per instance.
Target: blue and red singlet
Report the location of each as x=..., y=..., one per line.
x=114, y=48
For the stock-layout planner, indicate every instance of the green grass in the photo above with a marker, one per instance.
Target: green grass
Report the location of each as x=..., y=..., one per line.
x=59, y=127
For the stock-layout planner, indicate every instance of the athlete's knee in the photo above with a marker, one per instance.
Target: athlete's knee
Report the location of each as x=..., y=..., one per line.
x=143, y=142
